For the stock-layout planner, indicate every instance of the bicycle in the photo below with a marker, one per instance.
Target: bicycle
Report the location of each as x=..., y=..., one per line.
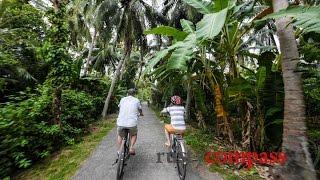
x=179, y=153
x=123, y=155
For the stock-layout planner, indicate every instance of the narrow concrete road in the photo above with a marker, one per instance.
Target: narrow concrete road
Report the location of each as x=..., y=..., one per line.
x=142, y=166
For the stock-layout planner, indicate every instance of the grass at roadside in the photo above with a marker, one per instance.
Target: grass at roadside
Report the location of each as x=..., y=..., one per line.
x=64, y=164
x=202, y=141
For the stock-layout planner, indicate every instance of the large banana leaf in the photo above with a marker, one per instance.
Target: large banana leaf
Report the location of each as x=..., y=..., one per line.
x=160, y=55
x=202, y=6
x=211, y=24
x=308, y=18
x=187, y=26
x=183, y=53
x=153, y=61
x=167, y=31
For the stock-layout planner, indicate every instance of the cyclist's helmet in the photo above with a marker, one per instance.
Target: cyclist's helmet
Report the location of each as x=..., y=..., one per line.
x=176, y=100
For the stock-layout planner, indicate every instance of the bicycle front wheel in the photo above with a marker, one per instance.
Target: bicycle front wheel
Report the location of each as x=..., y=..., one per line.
x=181, y=159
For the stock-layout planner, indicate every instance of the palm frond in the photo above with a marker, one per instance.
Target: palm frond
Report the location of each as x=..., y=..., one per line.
x=104, y=57
x=307, y=18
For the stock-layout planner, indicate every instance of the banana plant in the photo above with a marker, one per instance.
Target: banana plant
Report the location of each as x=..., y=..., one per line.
x=188, y=43
x=246, y=92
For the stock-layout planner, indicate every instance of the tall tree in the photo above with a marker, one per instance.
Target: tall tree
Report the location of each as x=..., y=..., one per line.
x=299, y=164
x=133, y=16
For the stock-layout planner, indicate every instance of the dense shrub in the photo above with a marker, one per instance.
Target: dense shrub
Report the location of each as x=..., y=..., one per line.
x=27, y=131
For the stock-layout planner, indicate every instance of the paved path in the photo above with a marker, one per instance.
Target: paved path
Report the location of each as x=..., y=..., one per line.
x=142, y=166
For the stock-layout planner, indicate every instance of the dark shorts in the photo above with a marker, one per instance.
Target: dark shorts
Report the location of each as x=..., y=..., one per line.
x=132, y=130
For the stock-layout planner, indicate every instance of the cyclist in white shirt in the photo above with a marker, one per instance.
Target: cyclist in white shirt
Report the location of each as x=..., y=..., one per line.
x=130, y=108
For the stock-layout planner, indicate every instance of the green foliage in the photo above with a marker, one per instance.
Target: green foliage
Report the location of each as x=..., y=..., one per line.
x=28, y=134
x=203, y=7
x=199, y=140
x=167, y=31
x=187, y=26
x=200, y=98
x=27, y=128
x=65, y=163
x=308, y=18
x=144, y=94
x=310, y=48
x=80, y=109
x=313, y=136
x=182, y=54
x=21, y=32
x=211, y=24
x=132, y=66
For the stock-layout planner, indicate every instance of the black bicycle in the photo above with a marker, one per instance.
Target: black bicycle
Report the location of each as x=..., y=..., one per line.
x=124, y=154
x=179, y=154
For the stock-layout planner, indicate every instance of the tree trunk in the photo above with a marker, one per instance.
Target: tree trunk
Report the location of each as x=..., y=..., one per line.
x=141, y=65
x=122, y=70
x=222, y=123
x=84, y=69
x=113, y=83
x=295, y=145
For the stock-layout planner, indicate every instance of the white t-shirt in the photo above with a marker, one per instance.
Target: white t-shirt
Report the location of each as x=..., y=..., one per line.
x=129, y=111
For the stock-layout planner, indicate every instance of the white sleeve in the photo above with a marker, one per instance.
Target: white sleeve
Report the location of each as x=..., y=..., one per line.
x=139, y=105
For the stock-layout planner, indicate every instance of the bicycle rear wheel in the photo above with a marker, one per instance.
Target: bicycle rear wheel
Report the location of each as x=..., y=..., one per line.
x=121, y=159
x=181, y=160
x=120, y=166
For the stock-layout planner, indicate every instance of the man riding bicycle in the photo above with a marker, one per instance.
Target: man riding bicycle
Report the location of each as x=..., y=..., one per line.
x=177, y=125
x=130, y=108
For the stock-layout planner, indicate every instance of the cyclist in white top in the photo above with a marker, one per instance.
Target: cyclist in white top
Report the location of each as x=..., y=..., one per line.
x=130, y=109
x=177, y=112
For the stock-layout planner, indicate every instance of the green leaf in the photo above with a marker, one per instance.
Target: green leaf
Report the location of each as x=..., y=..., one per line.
x=261, y=77
x=167, y=31
x=308, y=18
x=211, y=25
x=239, y=87
x=276, y=122
x=153, y=61
x=187, y=26
x=202, y=6
x=160, y=55
x=183, y=53
x=220, y=4
x=272, y=111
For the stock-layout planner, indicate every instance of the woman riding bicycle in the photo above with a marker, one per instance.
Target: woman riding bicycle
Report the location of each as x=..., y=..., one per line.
x=177, y=125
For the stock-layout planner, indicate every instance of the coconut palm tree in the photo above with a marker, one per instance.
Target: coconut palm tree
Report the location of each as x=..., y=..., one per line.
x=134, y=17
x=299, y=164
x=89, y=21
